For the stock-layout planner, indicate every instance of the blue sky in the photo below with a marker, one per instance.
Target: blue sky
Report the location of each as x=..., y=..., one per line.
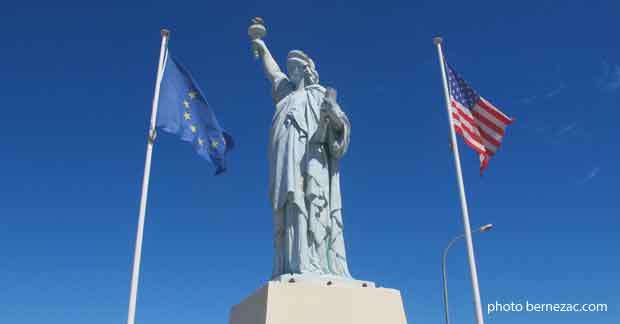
x=77, y=83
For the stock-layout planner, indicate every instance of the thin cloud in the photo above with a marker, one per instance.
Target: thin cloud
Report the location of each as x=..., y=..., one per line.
x=593, y=173
x=549, y=94
x=555, y=91
x=567, y=129
x=528, y=100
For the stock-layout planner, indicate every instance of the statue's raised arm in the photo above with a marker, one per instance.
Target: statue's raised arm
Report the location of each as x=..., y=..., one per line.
x=272, y=70
x=257, y=31
x=281, y=85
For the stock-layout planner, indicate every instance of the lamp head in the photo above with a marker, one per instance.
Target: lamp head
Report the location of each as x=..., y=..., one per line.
x=486, y=228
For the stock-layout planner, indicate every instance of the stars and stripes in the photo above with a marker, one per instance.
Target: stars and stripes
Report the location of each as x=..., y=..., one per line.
x=481, y=124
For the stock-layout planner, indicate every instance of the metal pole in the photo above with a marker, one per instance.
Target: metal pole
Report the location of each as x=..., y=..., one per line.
x=444, y=271
x=444, y=267
x=131, y=314
x=457, y=161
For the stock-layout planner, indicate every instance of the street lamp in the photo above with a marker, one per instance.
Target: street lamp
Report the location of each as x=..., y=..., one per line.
x=484, y=228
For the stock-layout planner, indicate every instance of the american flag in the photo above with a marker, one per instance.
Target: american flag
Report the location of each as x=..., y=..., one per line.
x=478, y=121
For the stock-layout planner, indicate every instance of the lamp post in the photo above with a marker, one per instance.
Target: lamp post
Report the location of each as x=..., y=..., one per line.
x=484, y=228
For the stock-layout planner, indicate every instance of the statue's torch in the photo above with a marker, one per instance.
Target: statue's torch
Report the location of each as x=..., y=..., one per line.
x=257, y=30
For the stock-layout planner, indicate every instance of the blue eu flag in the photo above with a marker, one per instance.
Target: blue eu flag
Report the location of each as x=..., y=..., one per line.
x=183, y=111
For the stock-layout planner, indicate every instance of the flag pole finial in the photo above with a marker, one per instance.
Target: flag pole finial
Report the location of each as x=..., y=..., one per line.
x=437, y=40
x=165, y=32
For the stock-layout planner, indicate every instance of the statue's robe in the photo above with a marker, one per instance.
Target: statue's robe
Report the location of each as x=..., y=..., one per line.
x=305, y=184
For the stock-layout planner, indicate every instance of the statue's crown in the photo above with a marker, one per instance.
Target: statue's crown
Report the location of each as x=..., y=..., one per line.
x=301, y=56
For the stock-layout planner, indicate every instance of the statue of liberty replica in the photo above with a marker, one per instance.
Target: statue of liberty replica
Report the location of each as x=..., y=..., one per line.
x=309, y=135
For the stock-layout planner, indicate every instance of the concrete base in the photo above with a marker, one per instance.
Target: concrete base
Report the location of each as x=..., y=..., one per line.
x=299, y=303
x=323, y=280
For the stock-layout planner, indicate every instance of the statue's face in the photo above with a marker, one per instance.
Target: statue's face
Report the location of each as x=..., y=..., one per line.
x=296, y=70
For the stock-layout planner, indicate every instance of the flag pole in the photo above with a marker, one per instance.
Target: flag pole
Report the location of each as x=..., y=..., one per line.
x=457, y=161
x=131, y=314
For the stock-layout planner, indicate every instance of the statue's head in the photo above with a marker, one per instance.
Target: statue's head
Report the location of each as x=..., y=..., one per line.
x=300, y=66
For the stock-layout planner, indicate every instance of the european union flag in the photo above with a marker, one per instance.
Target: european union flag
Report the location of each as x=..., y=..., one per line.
x=183, y=110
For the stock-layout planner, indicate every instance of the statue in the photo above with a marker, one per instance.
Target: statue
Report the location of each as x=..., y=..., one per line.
x=309, y=135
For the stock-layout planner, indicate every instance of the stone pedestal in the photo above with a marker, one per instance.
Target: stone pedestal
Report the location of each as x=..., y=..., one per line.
x=304, y=303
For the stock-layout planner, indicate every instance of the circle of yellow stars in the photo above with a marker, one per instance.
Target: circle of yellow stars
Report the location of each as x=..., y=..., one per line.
x=192, y=94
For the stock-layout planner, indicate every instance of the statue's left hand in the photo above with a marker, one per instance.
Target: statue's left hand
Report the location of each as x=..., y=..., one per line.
x=324, y=117
x=331, y=107
x=329, y=101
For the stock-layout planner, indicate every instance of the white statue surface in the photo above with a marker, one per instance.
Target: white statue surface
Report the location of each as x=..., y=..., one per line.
x=309, y=135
